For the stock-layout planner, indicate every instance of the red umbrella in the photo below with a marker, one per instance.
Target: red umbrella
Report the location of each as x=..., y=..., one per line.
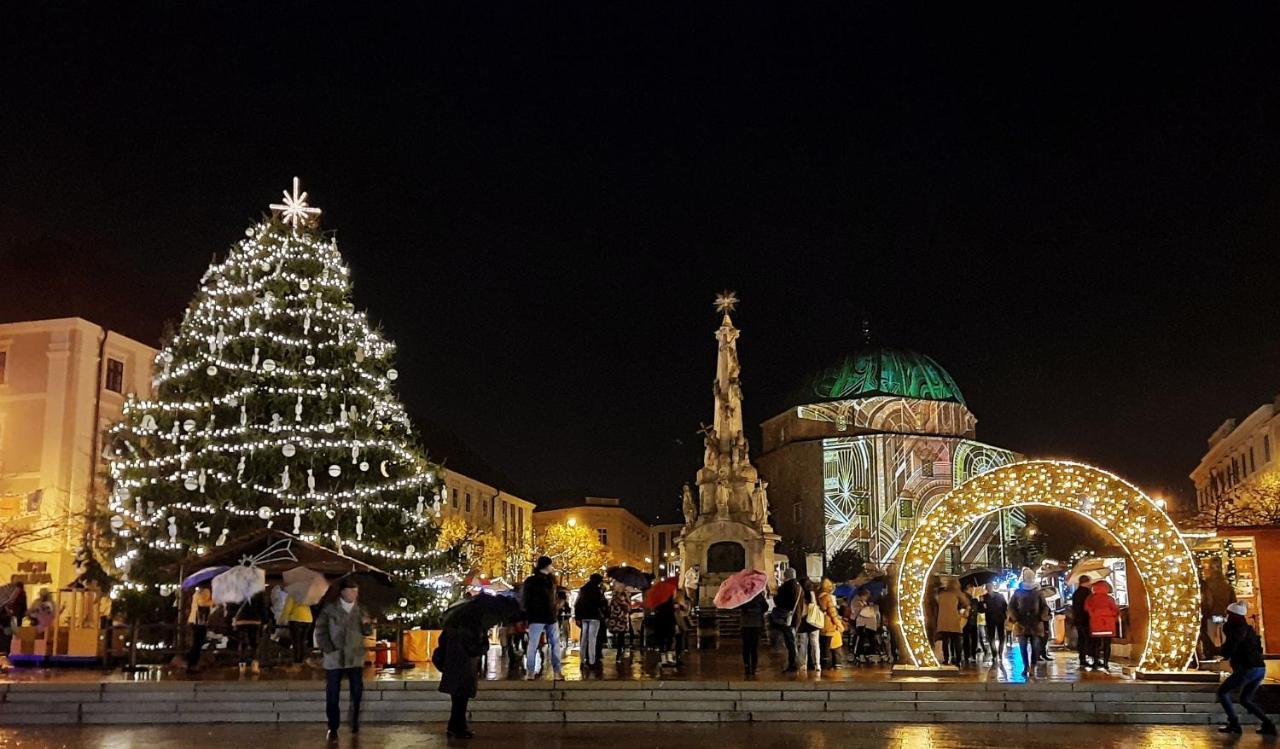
x=739, y=588
x=660, y=592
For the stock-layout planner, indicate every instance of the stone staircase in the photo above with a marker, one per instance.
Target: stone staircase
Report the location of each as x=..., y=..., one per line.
x=901, y=701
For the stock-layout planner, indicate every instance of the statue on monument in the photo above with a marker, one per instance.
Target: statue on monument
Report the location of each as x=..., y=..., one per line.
x=760, y=503
x=690, y=509
x=723, y=491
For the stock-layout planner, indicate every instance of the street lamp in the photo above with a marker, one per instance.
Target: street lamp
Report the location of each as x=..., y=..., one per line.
x=573, y=522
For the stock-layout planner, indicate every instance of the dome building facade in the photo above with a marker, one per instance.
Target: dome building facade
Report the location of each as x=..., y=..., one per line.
x=868, y=446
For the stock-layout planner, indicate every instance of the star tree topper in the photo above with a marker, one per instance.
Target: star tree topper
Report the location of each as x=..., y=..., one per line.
x=726, y=301
x=295, y=209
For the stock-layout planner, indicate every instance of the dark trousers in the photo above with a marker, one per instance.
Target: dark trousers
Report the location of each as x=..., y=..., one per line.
x=1029, y=647
x=995, y=630
x=333, y=689
x=247, y=641
x=199, y=633
x=1247, y=682
x=299, y=635
x=458, y=714
x=825, y=657
x=970, y=635
x=751, y=648
x=619, y=643
x=789, y=639
x=1101, y=649
x=1084, y=644
x=952, y=647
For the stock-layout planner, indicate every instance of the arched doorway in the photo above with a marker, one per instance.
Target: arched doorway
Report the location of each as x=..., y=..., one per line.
x=1162, y=558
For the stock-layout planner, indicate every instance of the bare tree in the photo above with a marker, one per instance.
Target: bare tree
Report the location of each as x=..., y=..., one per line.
x=1254, y=503
x=20, y=535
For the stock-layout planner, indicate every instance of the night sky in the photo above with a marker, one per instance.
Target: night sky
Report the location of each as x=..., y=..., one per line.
x=1076, y=213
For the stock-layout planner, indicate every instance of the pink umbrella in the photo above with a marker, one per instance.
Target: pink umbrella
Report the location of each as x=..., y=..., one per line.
x=739, y=588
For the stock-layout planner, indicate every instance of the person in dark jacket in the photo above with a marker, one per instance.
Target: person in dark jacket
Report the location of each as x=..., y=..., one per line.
x=1027, y=609
x=1242, y=646
x=538, y=597
x=1080, y=620
x=590, y=610
x=997, y=611
x=247, y=623
x=787, y=606
x=752, y=622
x=458, y=659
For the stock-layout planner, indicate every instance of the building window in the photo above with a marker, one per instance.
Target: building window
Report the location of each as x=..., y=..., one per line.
x=603, y=535
x=115, y=375
x=795, y=512
x=906, y=509
x=1253, y=465
x=1266, y=438
x=455, y=498
x=4, y=359
x=467, y=508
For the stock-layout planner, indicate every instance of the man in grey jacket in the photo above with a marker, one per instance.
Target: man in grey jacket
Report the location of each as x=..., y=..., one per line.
x=340, y=632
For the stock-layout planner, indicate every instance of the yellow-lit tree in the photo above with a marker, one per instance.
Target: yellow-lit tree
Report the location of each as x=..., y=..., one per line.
x=482, y=552
x=576, y=551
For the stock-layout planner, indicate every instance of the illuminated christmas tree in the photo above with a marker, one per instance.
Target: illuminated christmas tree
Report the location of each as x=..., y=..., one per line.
x=273, y=406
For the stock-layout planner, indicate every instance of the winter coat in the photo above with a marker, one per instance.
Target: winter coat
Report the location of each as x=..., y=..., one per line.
x=1079, y=616
x=1102, y=611
x=295, y=612
x=591, y=603
x=953, y=610
x=997, y=608
x=1241, y=646
x=751, y=613
x=460, y=661
x=340, y=635
x=789, y=598
x=619, y=614
x=1026, y=609
x=827, y=602
x=539, y=598
x=201, y=606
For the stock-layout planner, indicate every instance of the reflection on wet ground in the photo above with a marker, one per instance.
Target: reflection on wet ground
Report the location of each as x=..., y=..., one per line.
x=593, y=736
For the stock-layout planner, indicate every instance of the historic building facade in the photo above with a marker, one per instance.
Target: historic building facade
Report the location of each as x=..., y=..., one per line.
x=62, y=383
x=617, y=528
x=870, y=445
x=1238, y=453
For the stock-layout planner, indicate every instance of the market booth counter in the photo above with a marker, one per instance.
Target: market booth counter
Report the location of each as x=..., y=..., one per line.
x=1242, y=564
x=73, y=636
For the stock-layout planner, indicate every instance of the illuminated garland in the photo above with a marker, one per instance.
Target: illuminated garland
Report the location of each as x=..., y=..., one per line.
x=273, y=404
x=1142, y=527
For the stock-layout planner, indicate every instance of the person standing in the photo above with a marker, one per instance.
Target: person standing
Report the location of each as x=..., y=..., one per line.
x=1080, y=620
x=832, y=626
x=590, y=610
x=1026, y=609
x=953, y=610
x=788, y=604
x=458, y=658
x=1243, y=648
x=969, y=636
x=247, y=624
x=691, y=581
x=297, y=618
x=751, y=619
x=1103, y=615
x=809, y=630
x=539, y=602
x=198, y=620
x=619, y=623
x=340, y=632
x=997, y=612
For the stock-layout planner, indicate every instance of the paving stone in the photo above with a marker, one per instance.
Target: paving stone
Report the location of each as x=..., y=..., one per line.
x=734, y=717
x=605, y=705
x=150, y=706
x=689, y=716
x=134, y=718
x=148, y=696
x=550, y=716
x=807, y=696
x=605, y=716
x=958, y=717
x=773, y=706
x=55, y=697
x=879, y=716
x=1074, y=706
x=667, y=706
x=41, y=708
x=863, y=707
x=38, y=719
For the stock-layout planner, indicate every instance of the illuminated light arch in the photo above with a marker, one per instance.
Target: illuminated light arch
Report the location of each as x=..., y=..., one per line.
x=1148, y=535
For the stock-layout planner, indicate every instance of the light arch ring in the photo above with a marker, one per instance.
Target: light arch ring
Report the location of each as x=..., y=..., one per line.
x=1159, y=553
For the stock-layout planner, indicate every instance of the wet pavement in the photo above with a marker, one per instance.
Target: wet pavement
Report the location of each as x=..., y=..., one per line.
x=725, y=736
x=720, y=664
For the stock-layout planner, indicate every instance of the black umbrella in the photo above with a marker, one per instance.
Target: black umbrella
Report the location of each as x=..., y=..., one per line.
x=978, y=577
x=480, y=613
x=629, y=576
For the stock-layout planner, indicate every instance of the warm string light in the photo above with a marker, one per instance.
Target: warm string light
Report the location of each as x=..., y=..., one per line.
x=262, y=315
x=1140, y=525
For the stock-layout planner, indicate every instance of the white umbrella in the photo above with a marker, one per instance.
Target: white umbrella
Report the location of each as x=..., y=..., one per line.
x=239, y=584
x=1095, y=568
x=306, y=586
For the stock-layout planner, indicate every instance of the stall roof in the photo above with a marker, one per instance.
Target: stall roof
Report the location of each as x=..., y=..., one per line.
x=305, y=553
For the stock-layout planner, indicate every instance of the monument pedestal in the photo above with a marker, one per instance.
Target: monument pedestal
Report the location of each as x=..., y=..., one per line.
x=723, y=547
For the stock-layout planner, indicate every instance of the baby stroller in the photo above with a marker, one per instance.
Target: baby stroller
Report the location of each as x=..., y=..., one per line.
x=871, y=643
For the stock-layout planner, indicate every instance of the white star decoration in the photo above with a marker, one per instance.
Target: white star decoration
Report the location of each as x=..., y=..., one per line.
x=295, y=209
x=726, y=301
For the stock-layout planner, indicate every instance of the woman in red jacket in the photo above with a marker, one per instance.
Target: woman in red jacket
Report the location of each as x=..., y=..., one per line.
x=1104, y=619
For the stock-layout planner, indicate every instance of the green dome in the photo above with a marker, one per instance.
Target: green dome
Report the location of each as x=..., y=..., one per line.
x=886, y=371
